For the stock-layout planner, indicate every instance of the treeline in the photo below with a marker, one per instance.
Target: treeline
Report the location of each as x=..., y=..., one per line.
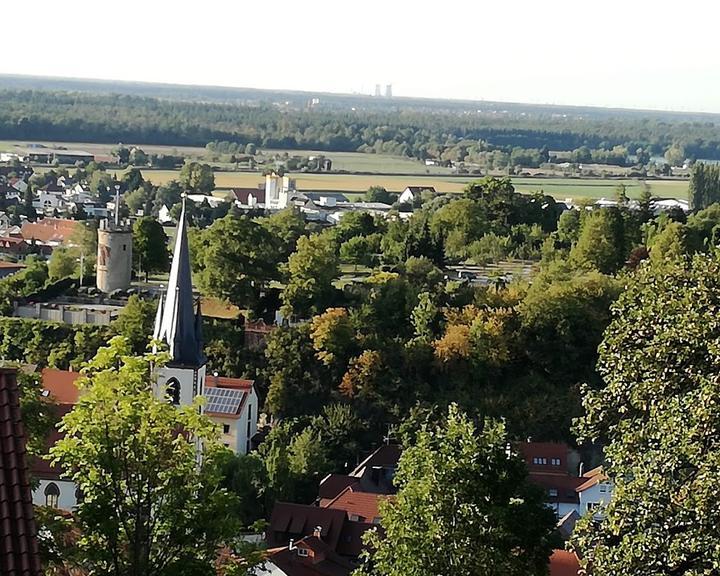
x=41, y=115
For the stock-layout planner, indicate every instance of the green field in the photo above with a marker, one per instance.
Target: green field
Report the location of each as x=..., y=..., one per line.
x=353, y=183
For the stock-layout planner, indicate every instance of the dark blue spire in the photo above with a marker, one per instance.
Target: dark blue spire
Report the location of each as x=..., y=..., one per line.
x=179, y=323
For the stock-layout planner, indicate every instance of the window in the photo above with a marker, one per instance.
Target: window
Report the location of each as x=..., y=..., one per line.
x=226, y=428
x=591, y=506
x=173, y=391
x=603, y=488
x=553, y=492
x=555, y=461
x=52, y=495
x=124, y=247
x=302, y=552
x=538, y=460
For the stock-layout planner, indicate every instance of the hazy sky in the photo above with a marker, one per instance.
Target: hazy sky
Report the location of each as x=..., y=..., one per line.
x=632, y=53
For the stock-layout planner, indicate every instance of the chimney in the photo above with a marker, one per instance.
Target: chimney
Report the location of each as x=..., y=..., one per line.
x=215, y=375
x=317, y=532
x=291, y=544
x=582, y=469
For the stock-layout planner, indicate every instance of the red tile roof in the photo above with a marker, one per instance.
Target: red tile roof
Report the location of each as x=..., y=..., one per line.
x=592, y=478
x=61, y=385
x=41, y=468
x=363, y=505
x=18, y=541
x=12, y=265
x=563, y=563
x=225, y=382
x=57, y=230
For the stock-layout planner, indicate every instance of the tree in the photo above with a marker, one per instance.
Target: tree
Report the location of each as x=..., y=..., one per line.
x=333, y=336
x=63, y=263
x=311, y=270
x=704, y=187
x=236, y=259
x=38, y=412
x=675, y=155
x=286, y=227
x=149, y=507
x=150, y=252
x=655, y=416
x=135, y=323
x=132, y=179
x=464, y=506
x=379, y=194
x=601, y=245
x=197, y=177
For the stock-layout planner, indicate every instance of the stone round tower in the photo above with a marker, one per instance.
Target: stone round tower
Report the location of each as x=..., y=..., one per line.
x=114, y=257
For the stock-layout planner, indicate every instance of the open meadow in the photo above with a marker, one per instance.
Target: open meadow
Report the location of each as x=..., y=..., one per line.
x=559, y=188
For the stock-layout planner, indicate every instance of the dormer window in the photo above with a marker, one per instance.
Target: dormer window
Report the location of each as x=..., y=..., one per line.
x=555, y=461
x=302, y=552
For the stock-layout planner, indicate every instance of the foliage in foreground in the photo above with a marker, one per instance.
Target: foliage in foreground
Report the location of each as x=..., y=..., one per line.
x=463, y=507
x=658, y=417
x=148, y=508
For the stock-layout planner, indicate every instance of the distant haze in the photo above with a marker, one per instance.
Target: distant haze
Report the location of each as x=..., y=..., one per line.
x=656, y=55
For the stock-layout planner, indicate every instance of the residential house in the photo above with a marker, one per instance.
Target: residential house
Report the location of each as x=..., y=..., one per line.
x=413, y=193
x=548, y=466
x=13, y=246
x=233, y=404
x=596, y=490
x=50, y=232
x=249, y=197
x=19, y=555
x=9, y=268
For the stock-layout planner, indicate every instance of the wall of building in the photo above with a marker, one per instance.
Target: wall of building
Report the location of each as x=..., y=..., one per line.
x=114, y=260
x=595, y=496
x=66, y=501
x=68, y=316
x=188, y=378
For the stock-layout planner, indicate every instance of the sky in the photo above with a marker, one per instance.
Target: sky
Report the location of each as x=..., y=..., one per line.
x=630, y=53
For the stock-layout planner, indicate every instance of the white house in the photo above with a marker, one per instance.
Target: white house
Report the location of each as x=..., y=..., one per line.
x=412, y=193
x=595, y=491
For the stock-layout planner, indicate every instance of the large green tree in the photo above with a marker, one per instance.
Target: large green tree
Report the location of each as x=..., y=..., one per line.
x=149, y=506
x=311, y=271
x=197, y=177
x=236, y=259
x=150, y=250
x=657, y=417
x=464, y=506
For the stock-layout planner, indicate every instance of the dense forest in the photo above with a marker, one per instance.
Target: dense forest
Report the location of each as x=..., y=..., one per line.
x=405, y=130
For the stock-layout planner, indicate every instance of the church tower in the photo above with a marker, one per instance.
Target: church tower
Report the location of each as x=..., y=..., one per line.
x=179, y=324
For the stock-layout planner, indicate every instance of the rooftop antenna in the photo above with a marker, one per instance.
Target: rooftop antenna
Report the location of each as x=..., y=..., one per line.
x=117, y=205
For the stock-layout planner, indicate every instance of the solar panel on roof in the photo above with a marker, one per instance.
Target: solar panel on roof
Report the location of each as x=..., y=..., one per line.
x=223, y=400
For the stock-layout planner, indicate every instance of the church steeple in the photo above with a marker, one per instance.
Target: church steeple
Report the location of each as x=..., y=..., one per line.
x=177, y=322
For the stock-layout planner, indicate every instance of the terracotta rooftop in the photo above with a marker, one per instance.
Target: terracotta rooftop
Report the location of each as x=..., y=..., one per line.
x=18, y=541
x=61, y=385
x=50, y=230
x=566, y=486
x=360, y=506
x=563, y=563
x=225, y=382
x=592, y=478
